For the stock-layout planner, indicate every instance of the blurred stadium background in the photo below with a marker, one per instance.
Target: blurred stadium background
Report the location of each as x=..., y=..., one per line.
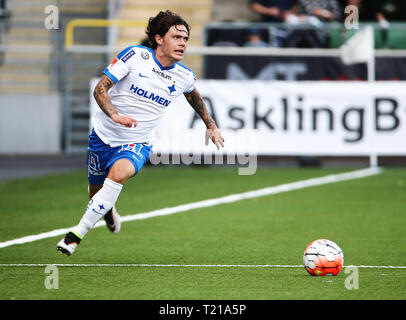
x=45, y=72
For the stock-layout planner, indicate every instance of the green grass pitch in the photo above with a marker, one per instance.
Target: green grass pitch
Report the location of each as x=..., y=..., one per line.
x=365, y=217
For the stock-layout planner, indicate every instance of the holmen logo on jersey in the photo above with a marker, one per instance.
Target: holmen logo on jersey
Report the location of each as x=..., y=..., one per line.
x=150, y=95
x=160, y=73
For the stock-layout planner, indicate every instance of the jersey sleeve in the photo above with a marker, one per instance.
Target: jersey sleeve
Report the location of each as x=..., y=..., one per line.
x=119, y=67
x=192, y=82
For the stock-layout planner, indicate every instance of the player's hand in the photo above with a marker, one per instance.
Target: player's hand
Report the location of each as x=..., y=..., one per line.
x=215, y=136
x=124, y=120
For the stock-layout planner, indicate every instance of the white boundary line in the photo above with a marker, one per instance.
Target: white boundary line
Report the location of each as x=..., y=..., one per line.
x=84, y=265
x=214, y=202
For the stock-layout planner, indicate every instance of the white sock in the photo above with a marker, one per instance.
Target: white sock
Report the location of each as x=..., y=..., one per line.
x=98, y=206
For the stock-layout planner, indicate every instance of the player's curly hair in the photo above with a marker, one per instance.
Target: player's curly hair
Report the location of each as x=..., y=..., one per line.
x=161, y=23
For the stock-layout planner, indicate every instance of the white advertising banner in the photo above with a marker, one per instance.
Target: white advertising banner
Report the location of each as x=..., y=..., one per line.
x=290, y=118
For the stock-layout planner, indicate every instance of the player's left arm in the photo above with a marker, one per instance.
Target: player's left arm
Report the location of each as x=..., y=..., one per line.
x=212, y=132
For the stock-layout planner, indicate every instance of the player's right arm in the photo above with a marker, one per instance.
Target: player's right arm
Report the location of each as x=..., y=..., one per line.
x=102, y=98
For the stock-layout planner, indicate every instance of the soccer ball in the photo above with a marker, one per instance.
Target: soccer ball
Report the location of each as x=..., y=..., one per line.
x=323, y=258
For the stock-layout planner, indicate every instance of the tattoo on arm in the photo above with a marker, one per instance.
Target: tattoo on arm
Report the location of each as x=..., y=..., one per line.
x=197, y=103
x=102, y=97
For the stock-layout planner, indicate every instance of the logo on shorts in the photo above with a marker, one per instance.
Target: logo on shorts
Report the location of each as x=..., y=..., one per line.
x=135, y=149
x=94, y=164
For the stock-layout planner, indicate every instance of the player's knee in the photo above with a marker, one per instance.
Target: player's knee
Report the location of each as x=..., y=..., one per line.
x=121, y=171
x=119, y=176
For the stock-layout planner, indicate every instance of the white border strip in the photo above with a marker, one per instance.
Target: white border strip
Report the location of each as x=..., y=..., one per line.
x=110, y=265
x=214, y=202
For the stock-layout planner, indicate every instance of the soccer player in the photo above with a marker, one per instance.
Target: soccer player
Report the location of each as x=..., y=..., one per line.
x=133, y=94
